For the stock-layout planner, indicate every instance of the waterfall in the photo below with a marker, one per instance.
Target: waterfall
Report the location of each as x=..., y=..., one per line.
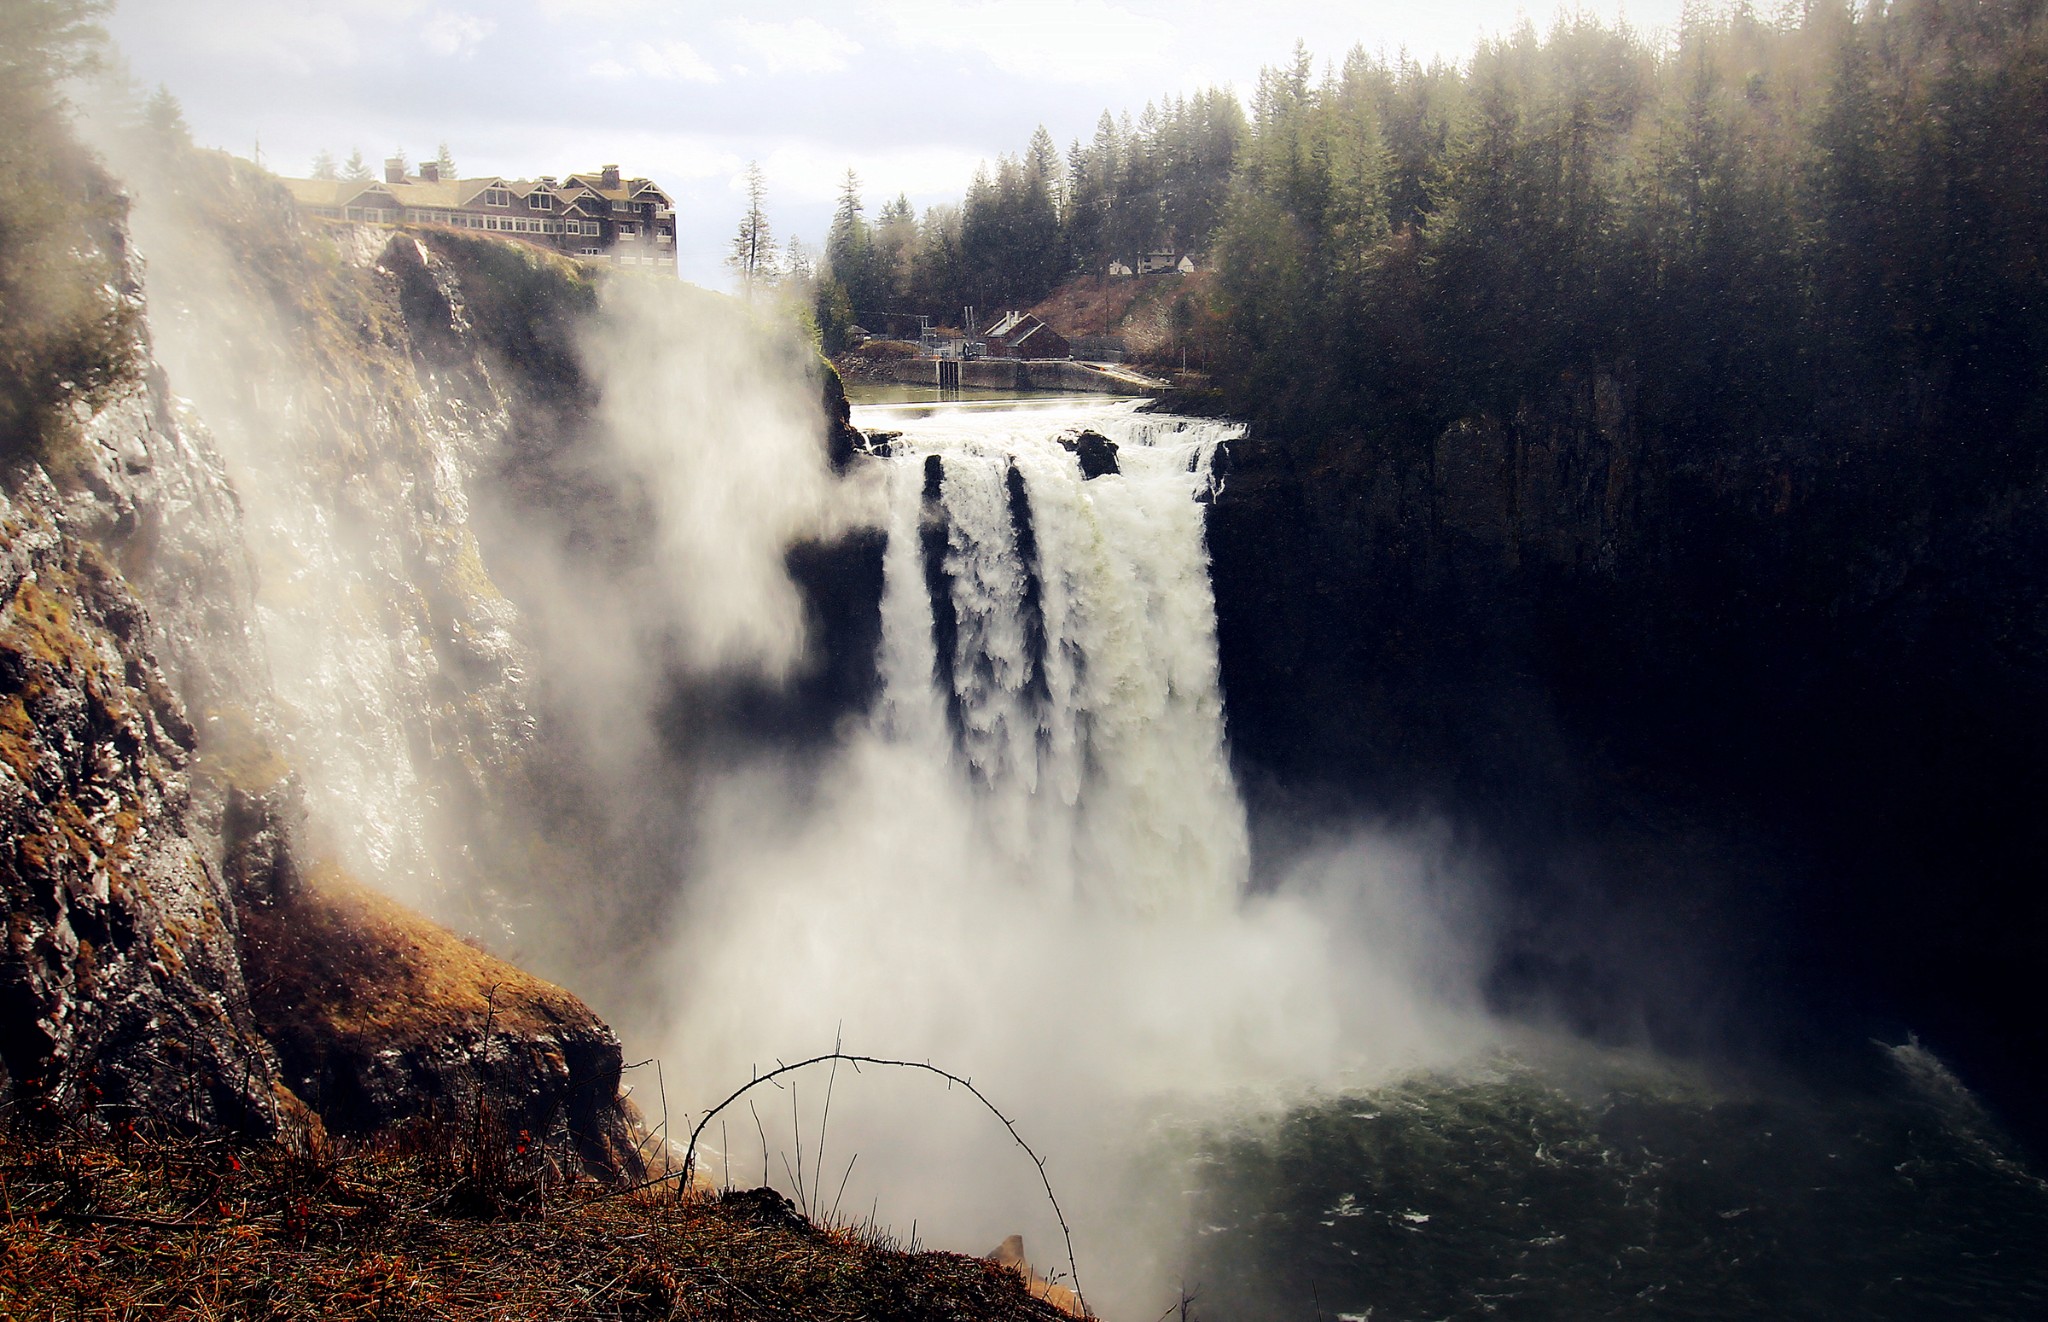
x=1053, y=638
x=1029, y=863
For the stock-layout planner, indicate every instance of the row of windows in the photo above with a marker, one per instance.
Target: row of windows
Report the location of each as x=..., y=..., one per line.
x=502, y=224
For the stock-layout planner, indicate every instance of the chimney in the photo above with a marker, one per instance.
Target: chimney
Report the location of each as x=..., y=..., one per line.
x=611, y=176
x=394, y=169
x=430, y=171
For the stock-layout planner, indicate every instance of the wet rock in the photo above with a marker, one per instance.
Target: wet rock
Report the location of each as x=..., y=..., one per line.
x=842, y=441
x=121, y=989
x=1097, y=454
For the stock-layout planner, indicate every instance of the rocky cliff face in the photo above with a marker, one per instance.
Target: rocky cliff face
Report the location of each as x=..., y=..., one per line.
x=122, y=982
x=358, y=596
x=1750, y=747
x=235, y=659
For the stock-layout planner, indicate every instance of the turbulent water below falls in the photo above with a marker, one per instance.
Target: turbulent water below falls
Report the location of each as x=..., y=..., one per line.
x=1031, y=864
x=1605, y=1190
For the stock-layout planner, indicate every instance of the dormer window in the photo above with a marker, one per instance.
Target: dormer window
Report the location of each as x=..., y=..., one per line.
x=497, y=197
x=541, y=201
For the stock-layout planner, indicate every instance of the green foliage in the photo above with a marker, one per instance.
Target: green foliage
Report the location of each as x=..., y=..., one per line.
x=1041, y=217
x=1830, y=227
x=528, y=305
x=66, y=327
x=849, y=251
x=164, y=119
x=832, y=313
x=1010, y=236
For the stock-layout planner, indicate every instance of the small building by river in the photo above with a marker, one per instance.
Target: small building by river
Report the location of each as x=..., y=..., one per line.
x=1021, y=335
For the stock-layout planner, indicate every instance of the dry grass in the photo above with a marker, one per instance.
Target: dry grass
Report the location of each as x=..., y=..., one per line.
x=1139, y=310
x=116, y=1226
x=355, y=968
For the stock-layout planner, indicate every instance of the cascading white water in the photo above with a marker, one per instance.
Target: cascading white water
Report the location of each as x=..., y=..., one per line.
x=1029, y=865
x=1081, y=671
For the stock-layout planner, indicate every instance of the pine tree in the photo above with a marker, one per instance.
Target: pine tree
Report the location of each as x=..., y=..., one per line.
x=163, y=117
x=445, y=162
x=1044, y=158
x=356, y=170
x=752, y=255
x=797, y=264
x=849, y=247
x=324, y=166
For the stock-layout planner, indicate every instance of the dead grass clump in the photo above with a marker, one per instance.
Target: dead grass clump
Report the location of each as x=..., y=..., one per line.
x=124, y=1225
x=378, y=976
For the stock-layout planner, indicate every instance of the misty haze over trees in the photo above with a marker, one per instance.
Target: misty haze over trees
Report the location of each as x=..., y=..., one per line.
x=1761, y=220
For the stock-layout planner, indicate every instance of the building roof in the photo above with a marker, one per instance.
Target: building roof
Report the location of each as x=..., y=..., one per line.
x=445, y=194
x=626, y=190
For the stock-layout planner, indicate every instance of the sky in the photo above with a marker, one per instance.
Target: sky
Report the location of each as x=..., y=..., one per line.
x=912, y=95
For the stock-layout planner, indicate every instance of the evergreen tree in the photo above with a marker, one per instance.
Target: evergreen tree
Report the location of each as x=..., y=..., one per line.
x=798, y=266
x=324, y=166
x=444, y=161
x=751, y=254
x=66, y=332
x=164, y=119
x=356, y=169
x=849, y=250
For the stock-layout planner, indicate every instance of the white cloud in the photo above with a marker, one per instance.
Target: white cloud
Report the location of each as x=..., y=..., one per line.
x=801, y=45
x=250, y=35
x=669, y=59
x=584, y=11
x=456, y=34
x=1077, y=41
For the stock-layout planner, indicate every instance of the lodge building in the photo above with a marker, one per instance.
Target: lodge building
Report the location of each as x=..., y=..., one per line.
x=598, y=214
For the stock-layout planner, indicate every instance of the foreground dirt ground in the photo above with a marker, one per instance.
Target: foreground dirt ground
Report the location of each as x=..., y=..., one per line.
x=442, y=1224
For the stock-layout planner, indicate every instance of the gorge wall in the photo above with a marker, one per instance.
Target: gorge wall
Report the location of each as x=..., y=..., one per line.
x=1751, y=743
x=258, y=677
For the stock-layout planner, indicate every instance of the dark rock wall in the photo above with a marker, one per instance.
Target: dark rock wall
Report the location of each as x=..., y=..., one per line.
x=121, y=941
x=151, y=778
x=1753, y=751
x=142, y=801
